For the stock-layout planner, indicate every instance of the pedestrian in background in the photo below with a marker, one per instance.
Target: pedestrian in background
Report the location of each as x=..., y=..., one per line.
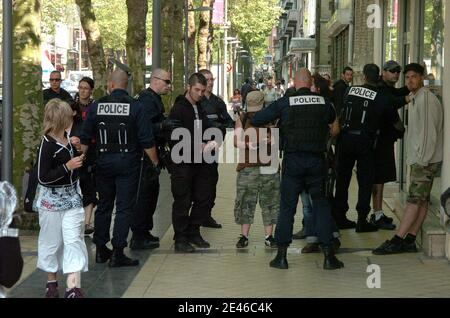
x=81, y=106
x=255, y=181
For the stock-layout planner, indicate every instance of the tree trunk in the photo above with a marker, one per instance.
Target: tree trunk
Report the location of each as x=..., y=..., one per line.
x=27, y=90
x=191, y=38
x=95, y=45
x=166, y=34
x=136, y=40
x=203, y=34
x=167, y=41
x=178, y=49
x=210, y=39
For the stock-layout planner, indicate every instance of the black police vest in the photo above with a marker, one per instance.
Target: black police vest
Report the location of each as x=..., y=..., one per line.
x=307, y=127
x=156, y=102
x=211, y=108
x=116, y=129
x=357, y=111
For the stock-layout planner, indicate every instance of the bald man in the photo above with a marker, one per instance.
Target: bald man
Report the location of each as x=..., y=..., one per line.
x=160, y=84
x=120, y=127
x=307, y=119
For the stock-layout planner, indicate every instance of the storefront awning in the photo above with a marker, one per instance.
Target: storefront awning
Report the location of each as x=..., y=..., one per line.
x=301, y=45
x=338, y=22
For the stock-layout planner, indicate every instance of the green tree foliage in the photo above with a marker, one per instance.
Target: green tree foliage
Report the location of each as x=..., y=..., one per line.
x=64, y=11
x=111, y=16
x=252, y=21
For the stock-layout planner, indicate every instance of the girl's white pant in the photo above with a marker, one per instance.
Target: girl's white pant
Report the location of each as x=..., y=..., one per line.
x=61, y=241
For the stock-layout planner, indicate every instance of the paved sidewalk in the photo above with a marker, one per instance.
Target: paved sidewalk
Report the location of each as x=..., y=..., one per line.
x=223, y=271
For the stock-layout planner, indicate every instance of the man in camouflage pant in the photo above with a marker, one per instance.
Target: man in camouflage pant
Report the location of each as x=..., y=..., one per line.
x=424, y=154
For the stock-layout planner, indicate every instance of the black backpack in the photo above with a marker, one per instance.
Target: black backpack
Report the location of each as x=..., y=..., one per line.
x=31, y=186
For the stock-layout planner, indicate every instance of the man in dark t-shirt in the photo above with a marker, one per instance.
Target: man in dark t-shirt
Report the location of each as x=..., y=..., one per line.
x=55, y=90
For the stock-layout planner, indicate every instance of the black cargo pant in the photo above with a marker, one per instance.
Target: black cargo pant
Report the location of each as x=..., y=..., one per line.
x=360, y=149
x=191, y=193
x=214, y=178
x=146, y=202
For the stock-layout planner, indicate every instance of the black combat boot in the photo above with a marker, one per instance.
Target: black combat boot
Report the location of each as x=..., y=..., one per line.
x=118, y=259
x=330, y=261
x=280, y=261
x=102, y=254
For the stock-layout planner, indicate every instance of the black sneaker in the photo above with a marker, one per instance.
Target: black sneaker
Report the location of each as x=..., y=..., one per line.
x=150, y=237
x=364, y=227
x=344, y=224
x=198, y=241
x=388, y=247
x=184, y=247
x=143, y=244
x=211, y=223
x=300, y=235
x=383, y=223
x=243, y=242
x=270, y=242
x=409, y=248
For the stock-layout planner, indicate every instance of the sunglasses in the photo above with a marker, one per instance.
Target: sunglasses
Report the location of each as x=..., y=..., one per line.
x=168, y=82
x=396, y=70
x=55, y=80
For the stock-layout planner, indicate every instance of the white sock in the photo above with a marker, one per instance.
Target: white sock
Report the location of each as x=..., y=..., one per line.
x=73, y=280
x=378, y=215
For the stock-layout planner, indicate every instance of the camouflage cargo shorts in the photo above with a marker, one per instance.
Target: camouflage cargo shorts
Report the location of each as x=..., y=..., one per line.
x=422, y=181
x=251, y=187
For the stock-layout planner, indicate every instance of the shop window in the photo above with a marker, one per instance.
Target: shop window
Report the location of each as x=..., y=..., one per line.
x=433, y=44
x=391, y=30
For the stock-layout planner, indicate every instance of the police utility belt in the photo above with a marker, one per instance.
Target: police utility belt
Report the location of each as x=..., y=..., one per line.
x=114, y=133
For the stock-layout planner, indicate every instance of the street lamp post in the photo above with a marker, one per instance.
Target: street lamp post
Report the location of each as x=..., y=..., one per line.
x=7, y=130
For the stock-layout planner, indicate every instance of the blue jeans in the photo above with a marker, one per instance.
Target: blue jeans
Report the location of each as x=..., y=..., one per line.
x=310, y=220
x=303, y=172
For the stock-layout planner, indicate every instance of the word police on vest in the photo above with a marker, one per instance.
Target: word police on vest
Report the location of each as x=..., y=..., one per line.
x=113, y=109
x=363, y=92
x=306, y=100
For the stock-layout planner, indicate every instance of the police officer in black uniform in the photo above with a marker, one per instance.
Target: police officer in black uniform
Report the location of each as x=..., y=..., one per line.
x=217, y=113
x=365, y=109
x=306, y=121
x=160, y=84
x=120, y=126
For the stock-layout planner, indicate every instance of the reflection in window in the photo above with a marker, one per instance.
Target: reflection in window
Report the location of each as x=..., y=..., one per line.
x=391, y=34
x=433, y=44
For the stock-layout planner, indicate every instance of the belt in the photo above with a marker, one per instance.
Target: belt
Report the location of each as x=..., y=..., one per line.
x=355, y=132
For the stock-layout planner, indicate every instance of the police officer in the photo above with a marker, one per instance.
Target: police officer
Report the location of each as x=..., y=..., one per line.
x=217, y=113
x=365, y=109
x=190, y=177
x=306, y=121
x=120, y=126
x=385, y=169
x=160, y=84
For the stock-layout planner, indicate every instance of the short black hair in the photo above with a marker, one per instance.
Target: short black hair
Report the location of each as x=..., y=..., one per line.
x=197, y=78
x=347, y=68
x=322, y=84
x=415, y=67
x=88, y=80
x=372, y=72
